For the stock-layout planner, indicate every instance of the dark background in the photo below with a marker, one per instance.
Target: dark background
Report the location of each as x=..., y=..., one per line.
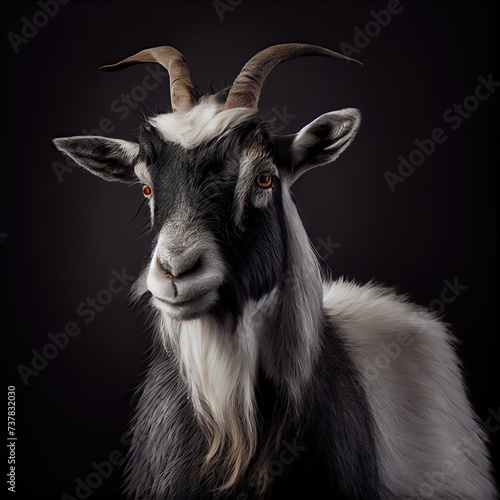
x=61, y=240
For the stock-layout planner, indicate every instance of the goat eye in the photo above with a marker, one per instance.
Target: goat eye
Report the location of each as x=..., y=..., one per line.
x=146, y=190
x=264, y=180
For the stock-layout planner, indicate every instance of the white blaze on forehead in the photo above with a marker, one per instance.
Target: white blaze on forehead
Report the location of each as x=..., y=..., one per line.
x=202, y=123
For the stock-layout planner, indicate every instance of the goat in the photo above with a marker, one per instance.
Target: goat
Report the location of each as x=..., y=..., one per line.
x=260, y=382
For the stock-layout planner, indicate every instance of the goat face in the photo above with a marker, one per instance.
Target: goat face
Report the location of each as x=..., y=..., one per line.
x=216, y=210
x=216, y=179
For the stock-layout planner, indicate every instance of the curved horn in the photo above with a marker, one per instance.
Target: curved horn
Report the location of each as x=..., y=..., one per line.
x=182, y=92
x=246, y=88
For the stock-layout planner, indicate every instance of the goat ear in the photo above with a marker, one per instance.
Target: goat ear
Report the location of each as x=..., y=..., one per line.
x=322, y=141
x=110, y=159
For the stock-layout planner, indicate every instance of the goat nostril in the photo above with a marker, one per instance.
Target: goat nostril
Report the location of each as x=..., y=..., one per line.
x=179, y=267
x=166, y=269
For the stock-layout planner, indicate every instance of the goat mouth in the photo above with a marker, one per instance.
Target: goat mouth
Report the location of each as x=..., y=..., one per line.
x=178, y=302
x=190, y=308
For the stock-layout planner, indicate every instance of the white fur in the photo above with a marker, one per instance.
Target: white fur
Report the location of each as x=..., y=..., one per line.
x=141, y=171
x=219, y=366
x=304, y=278
x=202, y=123
x=427, y=441
x=130, y=149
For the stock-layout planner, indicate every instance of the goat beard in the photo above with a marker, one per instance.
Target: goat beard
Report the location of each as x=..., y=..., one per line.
x=219, y=369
